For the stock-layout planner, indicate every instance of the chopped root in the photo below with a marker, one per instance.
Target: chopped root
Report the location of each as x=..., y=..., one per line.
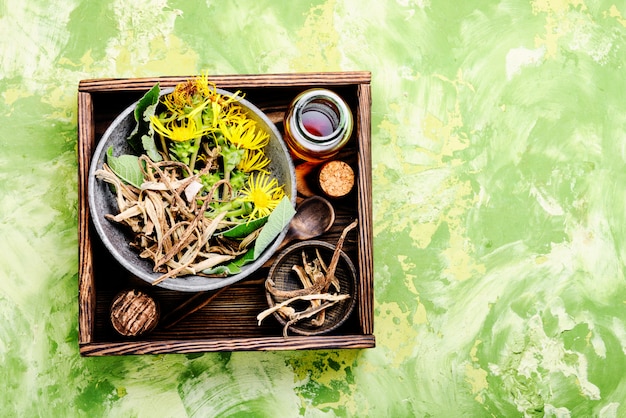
x=316, y=279
x=169, y=221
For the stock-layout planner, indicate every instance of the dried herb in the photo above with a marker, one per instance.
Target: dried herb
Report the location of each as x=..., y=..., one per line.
x=197, y=194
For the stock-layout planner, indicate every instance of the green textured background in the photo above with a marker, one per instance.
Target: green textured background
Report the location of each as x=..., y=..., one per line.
x=499, y=141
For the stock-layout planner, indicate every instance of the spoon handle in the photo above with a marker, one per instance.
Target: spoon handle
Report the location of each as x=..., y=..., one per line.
x=191, y=305
x=289, y=236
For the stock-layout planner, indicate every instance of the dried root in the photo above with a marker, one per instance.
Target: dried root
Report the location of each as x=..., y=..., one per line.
x=168, y=220
x=316, y=279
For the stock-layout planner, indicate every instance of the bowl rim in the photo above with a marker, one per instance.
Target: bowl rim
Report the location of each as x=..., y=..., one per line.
x=353, y=278
x=178, y=283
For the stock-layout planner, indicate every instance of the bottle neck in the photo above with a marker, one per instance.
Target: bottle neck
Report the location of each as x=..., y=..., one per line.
x=320, y=120
x=318, y=124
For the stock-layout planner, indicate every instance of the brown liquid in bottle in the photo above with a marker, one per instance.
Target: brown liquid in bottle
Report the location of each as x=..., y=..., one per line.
x=317, y=125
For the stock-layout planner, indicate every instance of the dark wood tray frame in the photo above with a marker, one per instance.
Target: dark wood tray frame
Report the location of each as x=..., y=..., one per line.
x=228, y=323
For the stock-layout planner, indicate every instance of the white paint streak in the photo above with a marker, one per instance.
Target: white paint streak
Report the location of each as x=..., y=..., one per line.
x=588, y=38
x=552, y=411
x=419, y=3
x=32, y=34
x=609, y=411
x=551, y=355
x=140, y=23
x=619, y=331
x=518, y=58
x=548, y=203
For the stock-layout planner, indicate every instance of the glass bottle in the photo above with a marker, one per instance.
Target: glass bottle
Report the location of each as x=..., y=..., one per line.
x=317, y=125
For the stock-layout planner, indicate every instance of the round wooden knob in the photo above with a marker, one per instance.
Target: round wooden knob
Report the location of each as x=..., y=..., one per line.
x=134, y=313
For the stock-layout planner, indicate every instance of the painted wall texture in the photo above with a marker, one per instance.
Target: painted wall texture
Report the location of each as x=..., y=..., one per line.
x=499, y=148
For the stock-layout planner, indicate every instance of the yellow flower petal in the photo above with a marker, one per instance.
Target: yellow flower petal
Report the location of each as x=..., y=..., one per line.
x=253, y=161
x=243, y=134
x=178, y=131
x=264, y=193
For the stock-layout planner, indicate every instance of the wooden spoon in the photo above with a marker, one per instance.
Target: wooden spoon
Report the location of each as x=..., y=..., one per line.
x=314, y=216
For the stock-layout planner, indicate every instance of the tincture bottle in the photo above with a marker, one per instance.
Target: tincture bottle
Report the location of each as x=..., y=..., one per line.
x=317, y=125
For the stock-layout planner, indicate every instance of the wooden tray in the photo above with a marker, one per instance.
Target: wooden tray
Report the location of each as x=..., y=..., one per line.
x=228, y=323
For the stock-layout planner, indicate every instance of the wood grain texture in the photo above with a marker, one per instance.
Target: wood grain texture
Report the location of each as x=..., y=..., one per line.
x=228, y=344
x=86, y=284
x=227, y=323
x=229, y=81
x=134, y=313
x=366, y=256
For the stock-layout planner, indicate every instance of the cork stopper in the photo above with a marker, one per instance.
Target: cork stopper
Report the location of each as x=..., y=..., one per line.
x=336, y=178
x=134, y=313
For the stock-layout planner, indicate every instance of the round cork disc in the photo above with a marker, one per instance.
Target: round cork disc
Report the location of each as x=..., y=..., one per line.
x=134, y=313
x=336, y=178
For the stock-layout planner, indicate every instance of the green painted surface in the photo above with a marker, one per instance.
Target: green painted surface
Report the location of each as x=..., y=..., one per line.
x=499, y=139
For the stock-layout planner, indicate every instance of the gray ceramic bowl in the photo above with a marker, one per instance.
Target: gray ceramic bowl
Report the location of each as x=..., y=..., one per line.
x=115, y=238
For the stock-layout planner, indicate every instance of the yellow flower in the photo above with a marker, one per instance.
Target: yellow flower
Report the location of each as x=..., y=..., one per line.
x=191, y=97
x=204, y=86
x=264, y=193
x=208, y=90
x=179, y=101
x=243, y=134
x=184, y=131
x=253, y=161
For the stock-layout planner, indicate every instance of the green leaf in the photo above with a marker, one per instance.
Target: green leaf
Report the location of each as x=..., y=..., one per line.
x=227, y=270
x=149, y=110
x=276, y=222
x=125, y=167
x=147, y=141
x=234, y=266
x=146, y=107
x=245, y=229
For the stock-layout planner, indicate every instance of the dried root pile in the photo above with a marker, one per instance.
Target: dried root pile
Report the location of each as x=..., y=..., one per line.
x=316, y=278
x=168, y=221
